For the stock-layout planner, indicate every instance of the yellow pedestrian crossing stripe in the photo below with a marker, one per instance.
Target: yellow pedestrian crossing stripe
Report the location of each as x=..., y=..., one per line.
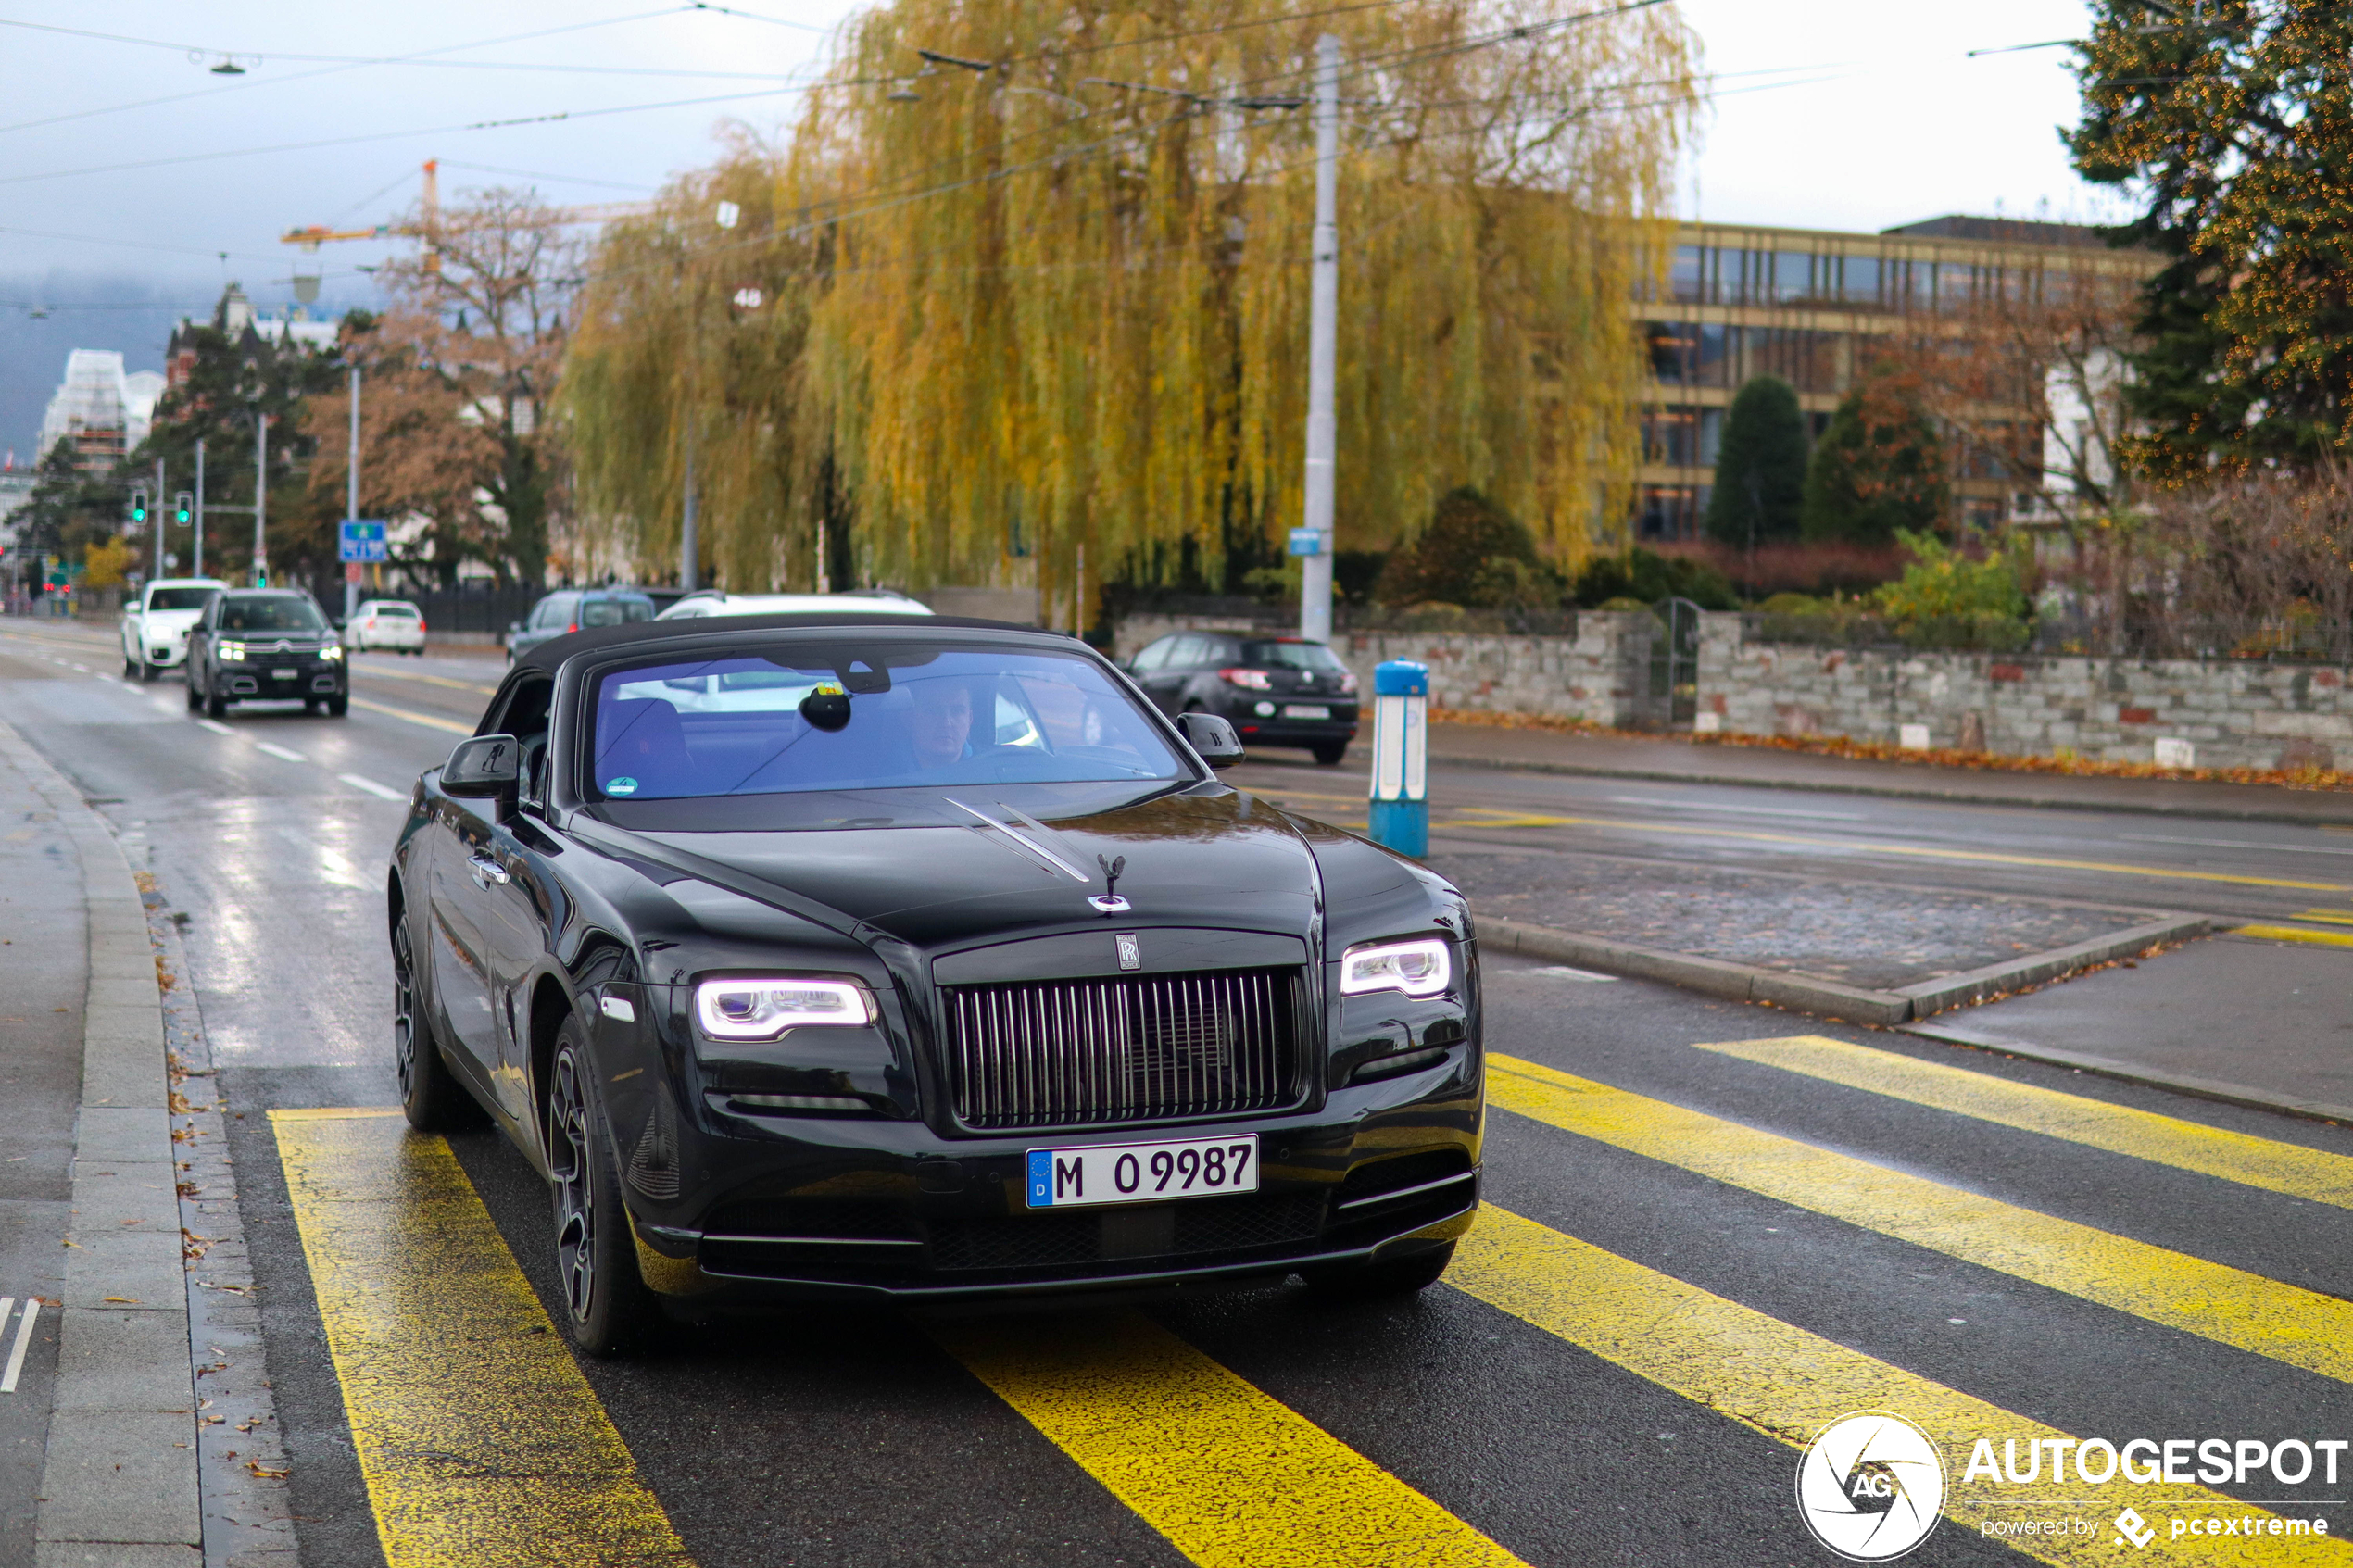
x=2164, y=1141
x=481, y=1443
x=1233, y=1478
x=1788, y=1384
x=2294, y=934
x=2231, y=1306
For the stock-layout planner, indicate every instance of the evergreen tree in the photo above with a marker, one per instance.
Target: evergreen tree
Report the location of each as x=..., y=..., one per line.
x=1760, y=467
x=2230, y=126
x=1880, y=466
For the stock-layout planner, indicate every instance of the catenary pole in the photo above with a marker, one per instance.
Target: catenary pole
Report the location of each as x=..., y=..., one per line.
x=162, y=509
x=261, y=499
x=351, y=497
x=1323, y=349
x=195, y=548
x=687, y=565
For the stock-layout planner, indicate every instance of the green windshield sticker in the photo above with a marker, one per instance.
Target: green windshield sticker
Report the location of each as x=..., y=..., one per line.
x=622, y=786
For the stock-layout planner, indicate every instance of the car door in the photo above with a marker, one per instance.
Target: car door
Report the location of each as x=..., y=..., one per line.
x=1162, y=667
x=520, y=900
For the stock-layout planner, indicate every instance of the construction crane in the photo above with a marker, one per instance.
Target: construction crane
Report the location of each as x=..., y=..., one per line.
x=428, y=224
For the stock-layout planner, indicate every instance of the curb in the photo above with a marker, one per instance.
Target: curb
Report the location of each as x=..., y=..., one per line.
x=1855, y=1004
x=2130, y=1072
x=118, y=1472
x=1898, y=792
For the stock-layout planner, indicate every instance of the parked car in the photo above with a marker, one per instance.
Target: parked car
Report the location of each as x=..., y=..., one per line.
x=1276, y=691
x=385, y=623
x=710, y=601
x=571, y=609
x=265, y=645
x=939, y=968
x=155, y=629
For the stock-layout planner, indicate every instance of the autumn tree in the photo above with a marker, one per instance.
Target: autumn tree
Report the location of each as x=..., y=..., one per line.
x=2231, y=125
x=470, y=353
x=1879, y=468
x=1037, y=300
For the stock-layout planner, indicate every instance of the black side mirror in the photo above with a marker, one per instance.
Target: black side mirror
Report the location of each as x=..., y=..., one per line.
x=484, y=766
x=1213, y=737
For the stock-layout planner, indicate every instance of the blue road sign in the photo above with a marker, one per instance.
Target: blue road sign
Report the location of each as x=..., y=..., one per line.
x=362, y=540
x=1306, y=542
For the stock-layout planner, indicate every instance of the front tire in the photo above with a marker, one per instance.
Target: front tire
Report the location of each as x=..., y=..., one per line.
x=608, y=1310
x=132, y=669
x=194, y=702
x=216, y=707
x=1329, y=753
x=338, y=705
x=430, y=1096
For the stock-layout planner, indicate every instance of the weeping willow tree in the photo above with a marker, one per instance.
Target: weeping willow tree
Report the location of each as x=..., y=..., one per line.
x=1024, y=294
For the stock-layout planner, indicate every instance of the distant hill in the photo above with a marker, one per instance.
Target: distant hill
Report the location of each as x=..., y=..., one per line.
x=121, y=311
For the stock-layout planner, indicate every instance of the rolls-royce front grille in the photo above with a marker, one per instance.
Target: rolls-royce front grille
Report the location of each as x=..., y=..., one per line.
x=1080, y=1052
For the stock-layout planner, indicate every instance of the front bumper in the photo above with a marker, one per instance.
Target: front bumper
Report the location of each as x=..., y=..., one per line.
x=799, y=1209
x=166, y=656
x=254, y=682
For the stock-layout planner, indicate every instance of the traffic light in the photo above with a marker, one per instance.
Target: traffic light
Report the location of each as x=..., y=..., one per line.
x=182, y=509
x=138, y=503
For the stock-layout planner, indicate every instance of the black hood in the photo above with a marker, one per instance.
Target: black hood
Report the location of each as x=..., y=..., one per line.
x=1200, y=858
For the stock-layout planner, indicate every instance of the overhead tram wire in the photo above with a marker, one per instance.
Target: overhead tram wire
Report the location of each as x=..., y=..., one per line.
x=299, y=76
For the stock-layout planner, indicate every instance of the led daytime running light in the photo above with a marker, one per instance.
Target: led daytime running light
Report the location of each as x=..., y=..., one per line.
x=764, y=1007
x=1422, y=968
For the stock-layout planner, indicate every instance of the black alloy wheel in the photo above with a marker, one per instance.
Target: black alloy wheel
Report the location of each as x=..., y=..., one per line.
x=1329, y=753
x=1389, y=1277
x=608, y=1310
x=430, y=1096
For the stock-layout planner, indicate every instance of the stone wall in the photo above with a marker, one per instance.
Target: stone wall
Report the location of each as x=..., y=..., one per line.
x=2234, y=714
x=1601, y=674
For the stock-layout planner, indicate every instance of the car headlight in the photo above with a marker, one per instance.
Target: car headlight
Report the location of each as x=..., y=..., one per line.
x=232, y=651
x=331, y=652
x=1420, y=968
x=763, y=1009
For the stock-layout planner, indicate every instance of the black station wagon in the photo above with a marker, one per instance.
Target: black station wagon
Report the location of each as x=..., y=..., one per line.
x=1275, y=691
x=851, y=958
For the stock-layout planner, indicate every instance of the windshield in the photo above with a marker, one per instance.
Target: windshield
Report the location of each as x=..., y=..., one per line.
x=813, y=717
x=1289, y=655
x=180, y=598
x=613, y=612
x=276, y=613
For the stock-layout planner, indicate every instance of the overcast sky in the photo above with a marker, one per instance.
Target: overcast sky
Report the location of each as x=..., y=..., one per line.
x=127, y=167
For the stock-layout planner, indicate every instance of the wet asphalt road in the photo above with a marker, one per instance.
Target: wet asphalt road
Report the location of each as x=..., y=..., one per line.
x=823, y=1438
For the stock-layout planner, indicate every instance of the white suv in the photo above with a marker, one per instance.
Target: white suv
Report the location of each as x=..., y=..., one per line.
x=385, y=623
x=155, y=630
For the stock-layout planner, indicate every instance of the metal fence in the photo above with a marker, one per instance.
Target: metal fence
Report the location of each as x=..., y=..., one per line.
x=470, y=609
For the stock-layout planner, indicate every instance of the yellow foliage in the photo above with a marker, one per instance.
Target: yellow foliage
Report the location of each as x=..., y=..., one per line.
x=104, y=563
x=1034, y=315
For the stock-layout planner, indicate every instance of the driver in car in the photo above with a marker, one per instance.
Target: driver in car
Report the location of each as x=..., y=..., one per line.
x=940, y=722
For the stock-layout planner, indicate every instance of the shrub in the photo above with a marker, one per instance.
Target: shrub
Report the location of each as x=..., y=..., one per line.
x=1649, y=577
x=1942, y=583
x=1471, y=552
x=104, y=563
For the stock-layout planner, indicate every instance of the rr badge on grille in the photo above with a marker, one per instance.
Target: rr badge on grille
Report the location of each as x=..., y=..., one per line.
x=1131, y=953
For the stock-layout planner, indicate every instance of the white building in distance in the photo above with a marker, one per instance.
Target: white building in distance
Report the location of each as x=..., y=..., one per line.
x=101, y=410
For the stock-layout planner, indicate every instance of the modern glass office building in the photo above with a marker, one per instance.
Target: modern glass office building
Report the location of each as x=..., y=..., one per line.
x=1810, y=307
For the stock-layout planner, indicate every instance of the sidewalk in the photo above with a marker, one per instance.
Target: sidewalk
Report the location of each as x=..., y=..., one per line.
x=1688, y=761
x=107, y=1426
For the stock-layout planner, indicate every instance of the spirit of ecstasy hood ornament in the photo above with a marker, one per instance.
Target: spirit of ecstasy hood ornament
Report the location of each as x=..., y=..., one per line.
x=1108, y=902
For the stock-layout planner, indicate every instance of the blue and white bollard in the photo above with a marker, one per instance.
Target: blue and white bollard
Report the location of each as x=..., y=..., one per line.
x=1400, y=757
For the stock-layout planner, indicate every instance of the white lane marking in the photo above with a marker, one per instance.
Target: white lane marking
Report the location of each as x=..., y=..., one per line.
x=279, y=752
x=371, y=785
x=216, y=726
x=163, y=704
x=24, y=1338
x=2234, y=844
x=83, y=667
x=1744, y=810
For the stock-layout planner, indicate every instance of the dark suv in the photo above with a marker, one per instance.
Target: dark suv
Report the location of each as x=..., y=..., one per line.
x=571, y=609
x=265, y=645
x=1276, y=691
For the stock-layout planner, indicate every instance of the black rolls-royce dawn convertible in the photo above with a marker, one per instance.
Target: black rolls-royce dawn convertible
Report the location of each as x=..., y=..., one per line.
x=838, y=957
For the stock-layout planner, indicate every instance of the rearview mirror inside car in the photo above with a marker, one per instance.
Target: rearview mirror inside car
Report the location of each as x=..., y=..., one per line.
x=1213, y=737
x=486, y=765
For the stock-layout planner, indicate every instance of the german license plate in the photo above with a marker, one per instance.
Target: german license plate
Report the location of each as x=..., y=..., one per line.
x=1305, y=711
x=1142, y=1173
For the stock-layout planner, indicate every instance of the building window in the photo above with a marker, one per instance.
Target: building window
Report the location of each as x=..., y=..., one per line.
x=1668, y=513
x=1862, y=280
x=1793, y=275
